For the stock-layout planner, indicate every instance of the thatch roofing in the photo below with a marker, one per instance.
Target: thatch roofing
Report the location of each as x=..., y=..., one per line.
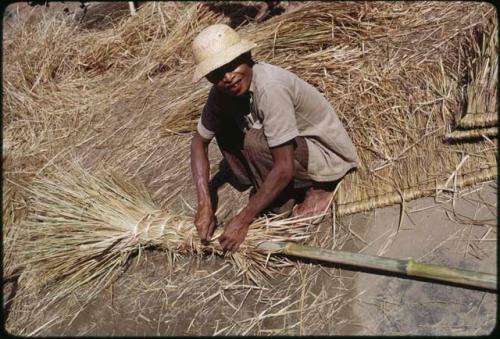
x=396, y=73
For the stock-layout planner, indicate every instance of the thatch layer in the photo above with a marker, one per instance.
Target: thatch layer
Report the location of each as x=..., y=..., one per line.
x=417, y=192
x=482, y=91
x=394, y=72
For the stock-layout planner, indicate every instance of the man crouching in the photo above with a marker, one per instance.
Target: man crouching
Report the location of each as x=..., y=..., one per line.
x=276, y=132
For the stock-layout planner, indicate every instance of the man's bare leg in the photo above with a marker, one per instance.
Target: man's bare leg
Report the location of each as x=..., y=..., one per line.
x=316, y=202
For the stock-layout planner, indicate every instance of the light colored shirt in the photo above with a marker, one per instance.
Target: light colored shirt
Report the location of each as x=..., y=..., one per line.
x=286, y=106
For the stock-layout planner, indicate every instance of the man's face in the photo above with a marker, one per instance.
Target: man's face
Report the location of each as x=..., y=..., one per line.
x=233, y=78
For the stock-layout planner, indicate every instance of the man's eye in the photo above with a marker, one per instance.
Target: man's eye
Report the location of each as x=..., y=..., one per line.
x=214, y=77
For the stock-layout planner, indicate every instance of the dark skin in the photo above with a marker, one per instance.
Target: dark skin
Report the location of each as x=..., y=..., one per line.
x=235, y=79
x=235, y=230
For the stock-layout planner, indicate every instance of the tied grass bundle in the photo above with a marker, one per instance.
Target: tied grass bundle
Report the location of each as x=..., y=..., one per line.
x=481, y=116
x=82, y=228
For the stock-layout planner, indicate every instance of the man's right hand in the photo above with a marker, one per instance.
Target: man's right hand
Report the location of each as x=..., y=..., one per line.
x=205, y=223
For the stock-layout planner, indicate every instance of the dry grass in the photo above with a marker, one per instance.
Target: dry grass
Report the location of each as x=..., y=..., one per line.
x=395, y=75
x=82, y=229
x=481, y=116
x=62, y=103
x=120, y=98
x=201, y=297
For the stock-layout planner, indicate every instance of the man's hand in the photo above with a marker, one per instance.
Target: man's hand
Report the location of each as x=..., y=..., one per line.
x=205, y=223
x=235, y=231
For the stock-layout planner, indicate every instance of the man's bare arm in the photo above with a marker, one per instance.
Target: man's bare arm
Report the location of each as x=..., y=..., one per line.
x=278, y=178
x=200, y=168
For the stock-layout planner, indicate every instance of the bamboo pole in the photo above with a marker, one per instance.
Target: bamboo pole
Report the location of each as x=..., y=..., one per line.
x=408, y=267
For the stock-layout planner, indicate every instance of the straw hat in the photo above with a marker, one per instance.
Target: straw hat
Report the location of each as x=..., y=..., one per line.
x=216, y=46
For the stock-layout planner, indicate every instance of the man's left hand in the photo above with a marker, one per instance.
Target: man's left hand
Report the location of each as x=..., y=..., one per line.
x=235, y=231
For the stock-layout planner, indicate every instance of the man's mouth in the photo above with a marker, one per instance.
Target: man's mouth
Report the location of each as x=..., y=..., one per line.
x=235, y=87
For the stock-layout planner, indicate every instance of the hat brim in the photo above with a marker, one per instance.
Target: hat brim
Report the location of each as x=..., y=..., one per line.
x=220, y=59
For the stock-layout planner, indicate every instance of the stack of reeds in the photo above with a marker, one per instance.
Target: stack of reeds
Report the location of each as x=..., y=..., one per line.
x=481, y=115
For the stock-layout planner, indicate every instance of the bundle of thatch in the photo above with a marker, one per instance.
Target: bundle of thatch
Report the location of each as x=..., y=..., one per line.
x=395, y=73
x=82, y=228
x=480, y=119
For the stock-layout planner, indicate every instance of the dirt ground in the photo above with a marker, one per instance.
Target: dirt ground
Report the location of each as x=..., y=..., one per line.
x=152, y=299
x=456, y=234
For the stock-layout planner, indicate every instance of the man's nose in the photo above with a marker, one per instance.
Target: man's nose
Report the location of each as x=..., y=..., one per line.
x=228, y=78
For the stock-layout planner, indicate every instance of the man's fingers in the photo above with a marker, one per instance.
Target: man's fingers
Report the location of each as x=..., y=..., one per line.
x=235, y=246
x=229, y=244
x=222, y=241
x=202, y=232
x=200, y=229
x=225, y=243
x=211, y=228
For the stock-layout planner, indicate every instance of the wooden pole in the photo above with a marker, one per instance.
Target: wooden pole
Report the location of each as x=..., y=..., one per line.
x=408, y=267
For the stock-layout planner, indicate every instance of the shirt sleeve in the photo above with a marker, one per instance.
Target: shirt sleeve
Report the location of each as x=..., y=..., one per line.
x=278, y=114
x=207, y=124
